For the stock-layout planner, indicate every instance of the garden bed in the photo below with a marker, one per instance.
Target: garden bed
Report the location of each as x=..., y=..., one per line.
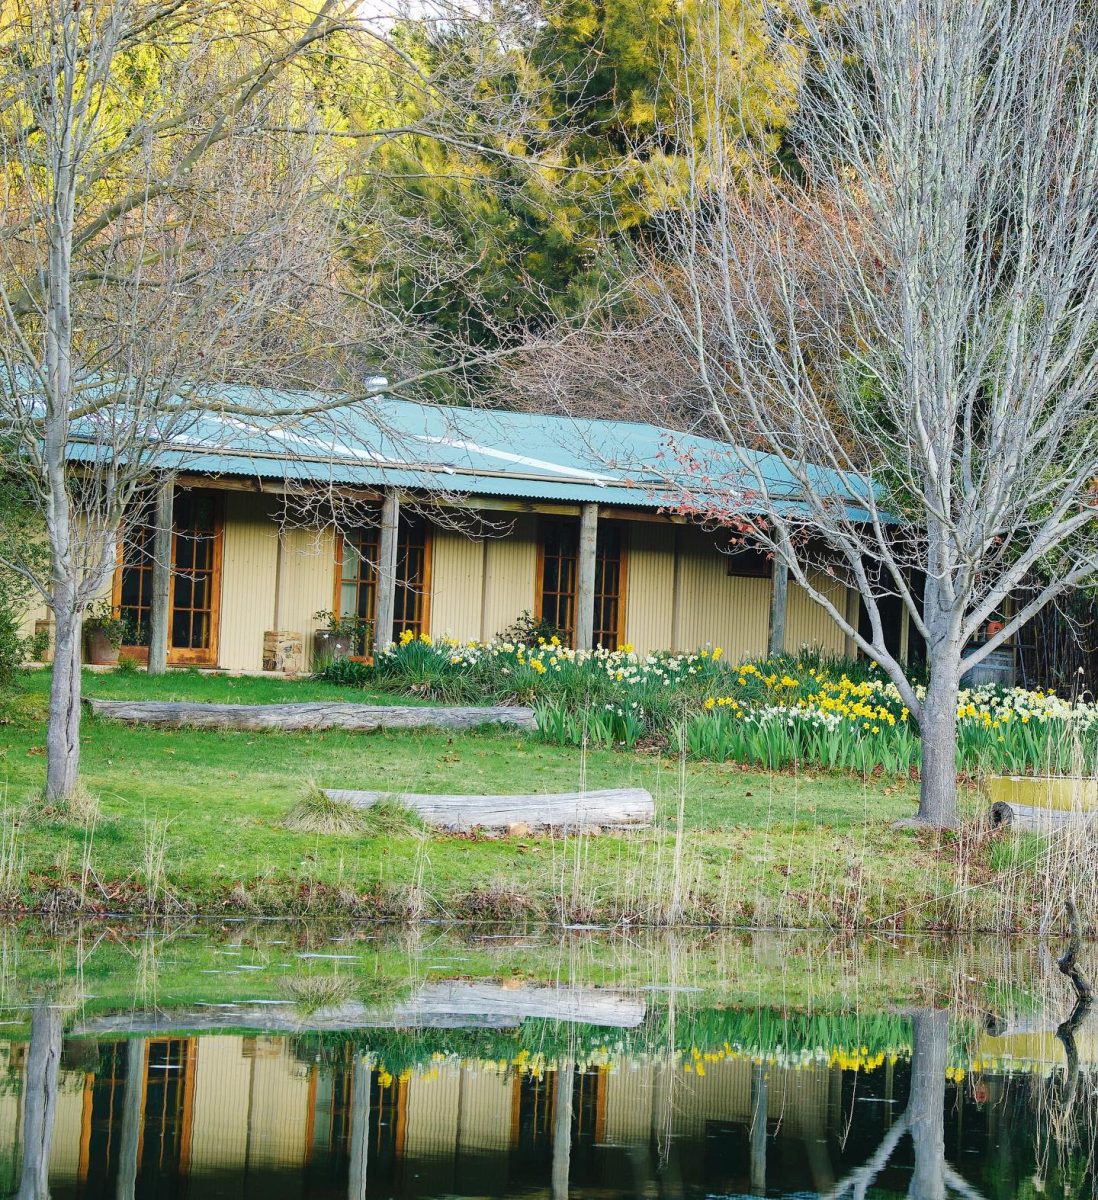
x=805, y=710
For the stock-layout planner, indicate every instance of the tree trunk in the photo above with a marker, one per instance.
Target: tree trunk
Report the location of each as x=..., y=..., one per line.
x=926, y=1104
x=40, y=1101
x=63, y=728
x=938, y=727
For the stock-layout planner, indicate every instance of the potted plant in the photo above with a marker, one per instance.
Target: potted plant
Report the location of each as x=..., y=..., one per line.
x=104, y=632
x=340, y=637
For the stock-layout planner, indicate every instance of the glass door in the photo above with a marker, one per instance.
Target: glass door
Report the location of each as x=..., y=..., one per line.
x=196, y=578
x=195, y=594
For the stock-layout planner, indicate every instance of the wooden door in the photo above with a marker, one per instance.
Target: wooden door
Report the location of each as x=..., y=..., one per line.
x=196, y=578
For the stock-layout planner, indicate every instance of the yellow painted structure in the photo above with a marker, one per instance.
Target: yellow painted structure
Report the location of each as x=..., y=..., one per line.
x=1064, y=793
x=677, y=592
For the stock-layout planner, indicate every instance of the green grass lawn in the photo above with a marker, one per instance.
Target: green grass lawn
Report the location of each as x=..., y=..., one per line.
x=777, y=849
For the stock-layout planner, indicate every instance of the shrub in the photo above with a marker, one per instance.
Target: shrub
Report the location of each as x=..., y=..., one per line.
x=346, y=671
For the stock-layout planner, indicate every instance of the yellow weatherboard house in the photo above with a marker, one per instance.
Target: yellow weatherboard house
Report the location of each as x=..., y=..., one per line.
x=419, y=519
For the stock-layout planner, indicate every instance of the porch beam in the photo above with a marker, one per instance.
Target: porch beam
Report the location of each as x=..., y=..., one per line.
x=585, y=577
x=779, y=605
x=386, y=569
x=160, y=600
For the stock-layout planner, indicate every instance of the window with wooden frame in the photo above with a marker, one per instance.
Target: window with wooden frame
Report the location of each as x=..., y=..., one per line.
x=133, y=582
x=196, y=562
x=194, y=598
x=749, y=561
x=356, y=579
x=609, y=588
x=558, y=577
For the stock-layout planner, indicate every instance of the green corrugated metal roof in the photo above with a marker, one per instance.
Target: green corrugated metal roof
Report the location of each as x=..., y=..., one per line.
x=474, y=451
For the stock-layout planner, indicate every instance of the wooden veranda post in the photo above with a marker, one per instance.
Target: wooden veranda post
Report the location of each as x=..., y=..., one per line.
x=585, y=577
x=360, y=1128
x=759, y=1108
x=386, y=569
x=562, y=1130
x=160, y=606
x=779, y=604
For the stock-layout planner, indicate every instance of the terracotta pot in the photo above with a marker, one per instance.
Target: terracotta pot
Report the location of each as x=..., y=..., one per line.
x=101, y=651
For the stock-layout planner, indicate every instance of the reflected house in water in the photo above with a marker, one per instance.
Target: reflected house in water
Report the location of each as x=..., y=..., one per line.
x=254, y=1109
x=278, y=1116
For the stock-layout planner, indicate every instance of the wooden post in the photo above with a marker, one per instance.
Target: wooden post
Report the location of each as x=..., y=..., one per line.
x=562, y=1130
x=160, y=606
x=386, y=570
x=758, y=1129
x=133, y=1098
x=779, y=602
x=359, y=1148
x=676, y=593
x=585, y=577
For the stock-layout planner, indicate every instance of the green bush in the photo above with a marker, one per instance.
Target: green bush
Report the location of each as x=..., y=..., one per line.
x=346, y=671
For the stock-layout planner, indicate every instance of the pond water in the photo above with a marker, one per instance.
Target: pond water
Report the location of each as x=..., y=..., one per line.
x=269, y=1061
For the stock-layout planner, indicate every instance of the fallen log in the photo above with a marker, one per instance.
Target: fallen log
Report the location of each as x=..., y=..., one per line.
x=293, y=718
x=1027, y=818
x=449, y=1004
x=613, y=808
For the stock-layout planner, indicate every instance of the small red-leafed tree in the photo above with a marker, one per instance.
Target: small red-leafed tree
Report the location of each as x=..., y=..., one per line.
x=896, y=322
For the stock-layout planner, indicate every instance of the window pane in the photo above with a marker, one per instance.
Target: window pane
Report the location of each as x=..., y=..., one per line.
x=184, y=590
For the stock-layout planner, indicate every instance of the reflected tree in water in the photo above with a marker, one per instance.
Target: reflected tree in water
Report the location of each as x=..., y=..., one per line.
x=924, y=1119
x=40, y=1101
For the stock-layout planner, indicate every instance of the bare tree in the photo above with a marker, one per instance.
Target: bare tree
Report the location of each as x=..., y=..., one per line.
x=176, y=179
x=896, y=324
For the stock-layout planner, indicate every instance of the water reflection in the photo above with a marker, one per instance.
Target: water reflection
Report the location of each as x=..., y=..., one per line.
x=514, y=1088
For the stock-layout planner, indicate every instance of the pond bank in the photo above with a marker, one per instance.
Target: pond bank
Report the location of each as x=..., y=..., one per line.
x=191, y=821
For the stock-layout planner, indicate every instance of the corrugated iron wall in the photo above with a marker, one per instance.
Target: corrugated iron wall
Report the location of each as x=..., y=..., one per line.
x=649, y=585
x=248, y=570
x=809, y=624
x=509, y=576
x=457, y=584
x=715, y=608
x=678, y=594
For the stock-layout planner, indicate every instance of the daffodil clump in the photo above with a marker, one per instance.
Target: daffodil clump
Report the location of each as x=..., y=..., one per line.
x=835, y=714
x=863, y=725
x=697, y=1040
x=606, y=697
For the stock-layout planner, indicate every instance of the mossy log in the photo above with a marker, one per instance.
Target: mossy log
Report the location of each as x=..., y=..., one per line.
x=610, y=809
x=295, y=718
